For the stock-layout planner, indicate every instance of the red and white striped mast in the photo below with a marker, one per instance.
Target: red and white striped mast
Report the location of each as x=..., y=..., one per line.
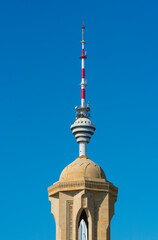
x=83, y=128
x=83, y=81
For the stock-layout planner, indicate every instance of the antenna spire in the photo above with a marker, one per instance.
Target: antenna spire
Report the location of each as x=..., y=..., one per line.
x=83, y=81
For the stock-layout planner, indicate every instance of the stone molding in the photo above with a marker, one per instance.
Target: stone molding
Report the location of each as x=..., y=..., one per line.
x=82, y=184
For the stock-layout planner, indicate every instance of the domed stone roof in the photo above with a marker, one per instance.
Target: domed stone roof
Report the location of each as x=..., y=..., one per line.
x=82, y=168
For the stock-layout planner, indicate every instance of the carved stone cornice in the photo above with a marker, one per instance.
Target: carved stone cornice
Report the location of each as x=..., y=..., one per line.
x=82, y=184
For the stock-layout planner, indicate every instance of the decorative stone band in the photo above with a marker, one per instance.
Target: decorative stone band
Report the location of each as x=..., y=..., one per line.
x=83, y=184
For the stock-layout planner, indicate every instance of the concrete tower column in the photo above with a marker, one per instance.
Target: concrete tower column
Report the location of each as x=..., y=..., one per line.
x=82, y=149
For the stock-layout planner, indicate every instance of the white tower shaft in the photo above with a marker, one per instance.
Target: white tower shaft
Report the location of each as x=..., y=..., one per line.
x=82, y=149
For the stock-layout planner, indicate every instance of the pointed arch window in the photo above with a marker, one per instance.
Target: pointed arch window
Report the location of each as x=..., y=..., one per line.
x=83, y=227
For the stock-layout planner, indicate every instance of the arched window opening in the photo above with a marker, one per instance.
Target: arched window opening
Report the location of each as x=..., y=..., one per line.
x=83, y=227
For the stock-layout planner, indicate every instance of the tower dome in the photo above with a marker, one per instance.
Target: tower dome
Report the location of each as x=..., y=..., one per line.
x=82, y=168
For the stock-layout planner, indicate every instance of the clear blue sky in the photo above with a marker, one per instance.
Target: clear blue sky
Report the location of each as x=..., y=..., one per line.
x=39, y=78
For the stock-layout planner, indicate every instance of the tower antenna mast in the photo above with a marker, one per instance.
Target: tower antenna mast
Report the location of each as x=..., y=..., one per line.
x=83, y=81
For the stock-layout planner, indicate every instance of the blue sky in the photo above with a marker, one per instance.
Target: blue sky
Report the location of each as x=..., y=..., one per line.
x=39, y=78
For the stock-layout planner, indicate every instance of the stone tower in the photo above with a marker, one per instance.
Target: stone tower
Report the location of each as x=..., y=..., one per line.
x=82, y=201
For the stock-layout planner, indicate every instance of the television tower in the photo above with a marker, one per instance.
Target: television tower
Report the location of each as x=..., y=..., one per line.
x=83, y=200
x=83, y=128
